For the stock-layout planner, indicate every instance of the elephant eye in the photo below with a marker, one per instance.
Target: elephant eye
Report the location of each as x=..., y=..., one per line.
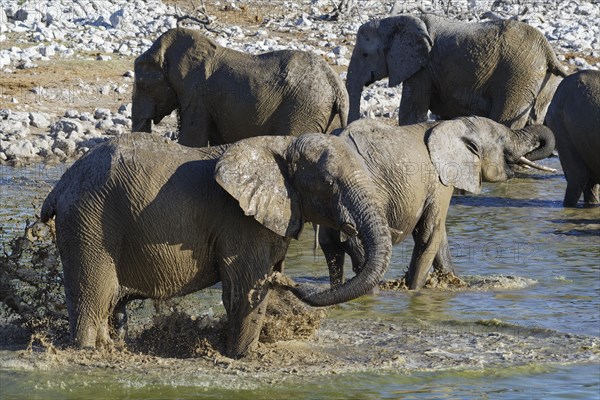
x=365, y=55
x=472, y=146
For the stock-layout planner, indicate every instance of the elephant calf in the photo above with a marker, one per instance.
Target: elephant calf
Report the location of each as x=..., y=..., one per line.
x=574, y=117
x=131, y=227
x=223, y=95
x=416, y=168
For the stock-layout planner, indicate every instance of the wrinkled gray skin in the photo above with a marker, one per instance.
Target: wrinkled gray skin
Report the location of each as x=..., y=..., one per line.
x=129, y=227
x=574, y=117
x=415, y=169
x=225, y=95
x=503, y=69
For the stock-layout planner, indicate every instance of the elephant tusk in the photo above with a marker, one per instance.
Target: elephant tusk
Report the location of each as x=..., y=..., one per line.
x=531, y=164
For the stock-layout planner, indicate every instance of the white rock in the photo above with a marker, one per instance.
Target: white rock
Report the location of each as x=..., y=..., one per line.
x=103, y=57
x=39, y=120
x=26, y=64
x=86, y=116
x=104, y=124
x=116, y=19
x=72, y=113
x=13, y=128
x=47, y=51
x=28, y=15
x=20, y=116
x=121, y=120
x=303, y=21
x=4, y=59
x=102, y=113
x=43, y=146
x=3, y=16
x=340, y=50
x=125, y=110
x=66, y=125
x=65, y=145
x=22, y=149
x=115, y=130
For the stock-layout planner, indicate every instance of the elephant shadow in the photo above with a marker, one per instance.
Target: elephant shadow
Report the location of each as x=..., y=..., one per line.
x=578, y=226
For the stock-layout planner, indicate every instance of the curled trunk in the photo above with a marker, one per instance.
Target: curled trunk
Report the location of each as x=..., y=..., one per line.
x=534, y=142
x=375, y=236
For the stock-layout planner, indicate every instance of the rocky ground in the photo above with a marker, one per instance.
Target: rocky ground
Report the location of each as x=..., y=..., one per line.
x=67, y=65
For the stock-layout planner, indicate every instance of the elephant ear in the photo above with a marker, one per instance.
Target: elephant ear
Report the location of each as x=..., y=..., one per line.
x=254, y=171
x=455, y=155
x=408, y=48
x=149, y=65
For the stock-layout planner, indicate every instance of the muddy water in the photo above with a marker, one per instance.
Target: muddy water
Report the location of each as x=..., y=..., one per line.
x=526, y=326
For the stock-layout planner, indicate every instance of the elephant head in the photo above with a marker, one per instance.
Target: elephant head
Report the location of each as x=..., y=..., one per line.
x=469, y=150
x=395, y=47
x=153, y=96
x=315, y=178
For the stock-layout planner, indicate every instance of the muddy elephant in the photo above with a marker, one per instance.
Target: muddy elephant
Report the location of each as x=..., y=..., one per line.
x=502, y=69
x=416, y=168
x=223, y=95
x=574, y=117
x=129, y=227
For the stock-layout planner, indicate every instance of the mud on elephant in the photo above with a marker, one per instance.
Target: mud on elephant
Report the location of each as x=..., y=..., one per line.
x=574, y=117
x=416, y=168
x=224, y=95
x=129, y=227
x=504, y=70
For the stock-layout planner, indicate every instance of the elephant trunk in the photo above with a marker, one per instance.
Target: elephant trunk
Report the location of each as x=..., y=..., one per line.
x=372, y=229
x=354, y=86
x=140, y=120
x=537, y=142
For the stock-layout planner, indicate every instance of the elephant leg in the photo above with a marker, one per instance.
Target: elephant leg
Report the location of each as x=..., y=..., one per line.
x=416, y=98
x=245, y=297
x=119, y=320
x=512, y=103
x=443, y=259
x=329, y=240
x=429, y=236
x=543, y=99
x=91, y=287
x=576, y=171
x=591, y=193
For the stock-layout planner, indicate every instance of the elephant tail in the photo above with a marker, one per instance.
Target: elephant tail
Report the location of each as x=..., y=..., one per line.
x=554, y=65
x=340, y=109
x=343, y=109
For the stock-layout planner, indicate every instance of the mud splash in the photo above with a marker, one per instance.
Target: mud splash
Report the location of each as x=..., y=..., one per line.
x=339, y=347
x=448, y=281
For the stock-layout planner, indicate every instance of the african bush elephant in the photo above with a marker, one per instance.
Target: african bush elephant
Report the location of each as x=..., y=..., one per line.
x=416, y=168
x=129, y=227
x=574, y=117
x=502, y=69
x=224, y=95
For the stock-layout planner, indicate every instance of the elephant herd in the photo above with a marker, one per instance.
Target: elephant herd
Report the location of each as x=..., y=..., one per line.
x=141, y=216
